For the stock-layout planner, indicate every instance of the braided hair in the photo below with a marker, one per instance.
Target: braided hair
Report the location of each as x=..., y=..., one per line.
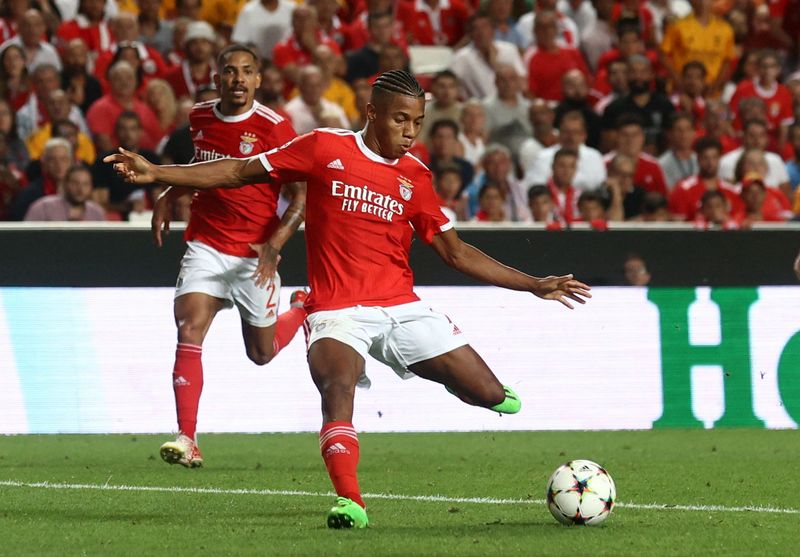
x=397, y=82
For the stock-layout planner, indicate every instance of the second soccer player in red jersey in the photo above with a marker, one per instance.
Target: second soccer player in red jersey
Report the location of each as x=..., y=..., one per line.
x=365, y=192
x=217, y=268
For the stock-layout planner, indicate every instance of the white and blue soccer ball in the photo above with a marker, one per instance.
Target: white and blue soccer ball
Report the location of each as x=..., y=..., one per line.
x=581, y=492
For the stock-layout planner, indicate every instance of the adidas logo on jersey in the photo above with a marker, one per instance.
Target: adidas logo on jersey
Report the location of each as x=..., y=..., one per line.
x=199, y=135
x=336, y=165
x=180, y=381
x=336, y=448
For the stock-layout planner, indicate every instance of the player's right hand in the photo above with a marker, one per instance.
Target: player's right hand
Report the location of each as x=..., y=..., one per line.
x=162, y=213
x=132, y=167
x=268, y=259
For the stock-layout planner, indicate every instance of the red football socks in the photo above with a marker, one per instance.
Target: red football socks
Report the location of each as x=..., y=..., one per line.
x=187, y=382
x=286, y=327
x=339, y=445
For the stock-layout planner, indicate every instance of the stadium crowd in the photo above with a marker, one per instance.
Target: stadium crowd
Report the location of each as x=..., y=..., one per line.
x=549, y=111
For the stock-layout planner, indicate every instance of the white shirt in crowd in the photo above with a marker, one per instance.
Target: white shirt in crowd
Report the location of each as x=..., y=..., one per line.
x=590, y=175
x=303, y=119
x=261, y=27
x=776, y=173
x=476, y=75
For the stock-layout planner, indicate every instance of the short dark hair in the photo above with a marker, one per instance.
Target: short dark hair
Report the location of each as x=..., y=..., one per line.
x=590, y=195
x=565, y=152
x=754, y=122
x=711, y=194
x=236, y=47
x=445, y=74
x=676, y=117
x=77, y=167
x=694, y=65
x=487, y=186
x=56, y=127
x=446, y=123
x=629, y=119
x=653, y=201
x=372, y=17
x=128, y=115
x=705, y=143
x=538, y=190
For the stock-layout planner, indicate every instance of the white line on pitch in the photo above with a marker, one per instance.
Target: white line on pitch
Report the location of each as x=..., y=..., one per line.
x=388, y=496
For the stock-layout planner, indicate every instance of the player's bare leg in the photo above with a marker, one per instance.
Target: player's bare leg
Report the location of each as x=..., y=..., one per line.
x=194, y=313
x=263, y=343
x=335, y=369
x=464, y=373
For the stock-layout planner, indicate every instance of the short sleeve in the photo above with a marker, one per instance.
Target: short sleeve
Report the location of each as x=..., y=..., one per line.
x=282, y=133
x=428, y=218
x=292, y=162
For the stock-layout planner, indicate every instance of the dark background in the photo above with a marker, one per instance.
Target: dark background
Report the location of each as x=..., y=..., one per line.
x=127, y=257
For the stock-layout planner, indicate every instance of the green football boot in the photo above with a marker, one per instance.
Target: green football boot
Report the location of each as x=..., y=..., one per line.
x=347, y=514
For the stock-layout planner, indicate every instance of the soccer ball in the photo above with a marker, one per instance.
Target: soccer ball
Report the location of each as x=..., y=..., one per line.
x=581, y=492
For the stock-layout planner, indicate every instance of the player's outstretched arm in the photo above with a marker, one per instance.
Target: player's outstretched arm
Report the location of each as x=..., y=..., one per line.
x=222, y=173
x=473, y=262
x=269, y=253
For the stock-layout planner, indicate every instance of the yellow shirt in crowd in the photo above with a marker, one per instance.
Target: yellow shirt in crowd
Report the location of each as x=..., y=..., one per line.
x=38, y=138
x=687, y=39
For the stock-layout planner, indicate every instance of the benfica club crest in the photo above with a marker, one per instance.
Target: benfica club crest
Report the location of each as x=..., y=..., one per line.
x=406, y=187
x=246, y=146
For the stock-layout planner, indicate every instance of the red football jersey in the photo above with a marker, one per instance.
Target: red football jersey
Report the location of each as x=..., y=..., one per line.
x=778, y=100
x=444, y=26
x=359, y=216
x=230, y=219
x=684, y=201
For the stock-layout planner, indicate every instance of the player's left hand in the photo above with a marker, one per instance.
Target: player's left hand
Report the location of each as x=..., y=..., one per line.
x=268, y=259
x=562, y=289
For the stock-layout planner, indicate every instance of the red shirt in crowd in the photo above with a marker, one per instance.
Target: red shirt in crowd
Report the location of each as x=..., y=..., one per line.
x=229, y=220
x=181, y=81
x=778, y=100
x=546, y=68
x=444, y=26
x=648, y=175
x=360, y=206
x=97, y=36
x=687, y=194
x=103, y=114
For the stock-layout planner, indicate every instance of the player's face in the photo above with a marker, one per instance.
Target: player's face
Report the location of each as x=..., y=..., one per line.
x=397, y=123
x=238, y=80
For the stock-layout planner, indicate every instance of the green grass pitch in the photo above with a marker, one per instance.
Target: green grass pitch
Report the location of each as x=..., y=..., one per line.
x=720, y=492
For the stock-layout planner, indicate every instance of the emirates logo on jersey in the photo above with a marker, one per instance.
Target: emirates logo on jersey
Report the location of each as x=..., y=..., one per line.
x=361, y=199
x=406, y=187
x=246, y=146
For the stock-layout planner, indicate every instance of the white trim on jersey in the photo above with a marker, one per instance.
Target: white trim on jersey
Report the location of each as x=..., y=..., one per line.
x=262, y=157
x=422, y=164
x=236, y=118
x=269, y=114
x=369, y=153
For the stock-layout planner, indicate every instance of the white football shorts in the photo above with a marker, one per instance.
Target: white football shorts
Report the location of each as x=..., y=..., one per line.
x=397, y=336
x=208, y=271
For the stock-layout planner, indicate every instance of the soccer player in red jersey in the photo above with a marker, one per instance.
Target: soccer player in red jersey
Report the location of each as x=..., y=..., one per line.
x=365, y=192
x=217, y=268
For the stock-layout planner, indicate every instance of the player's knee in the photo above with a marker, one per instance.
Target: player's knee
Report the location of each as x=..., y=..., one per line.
x=258, y=356
x=190, y=332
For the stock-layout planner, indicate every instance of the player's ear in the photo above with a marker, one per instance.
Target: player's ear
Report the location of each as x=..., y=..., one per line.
x=371, y=112
x=217, y=81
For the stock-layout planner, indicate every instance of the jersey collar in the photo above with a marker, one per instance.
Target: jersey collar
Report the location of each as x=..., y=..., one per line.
x=371, y=155
x=238, y=117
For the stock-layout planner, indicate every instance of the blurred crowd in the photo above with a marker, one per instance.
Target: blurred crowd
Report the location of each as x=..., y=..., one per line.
x=550, y=111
